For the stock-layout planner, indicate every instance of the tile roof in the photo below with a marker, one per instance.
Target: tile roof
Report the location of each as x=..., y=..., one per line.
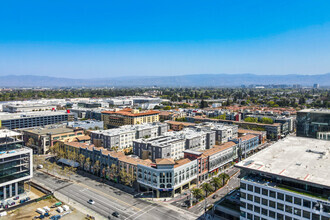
x=218, y=148
x=165, y=161
x=181, y=162
x=247, y=137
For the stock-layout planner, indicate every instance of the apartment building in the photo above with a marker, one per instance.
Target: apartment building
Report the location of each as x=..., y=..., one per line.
x=128, y=116
x=312, y=121
x=178, y=125
x=288, y=180
x=86, y=125
x=42, y=138
x=33, y=119
x=195, y=138
x=223, y=132
x=15, y=164
x=273, y=131
x=167, y=177
x=261, y=134
x=159, y=148
x=124, y=136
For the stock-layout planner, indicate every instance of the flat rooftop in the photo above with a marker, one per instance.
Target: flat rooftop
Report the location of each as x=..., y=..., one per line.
x=8, y=133
x=294, y=157
x=323, y=111
x=20, y=115
x=43, y=131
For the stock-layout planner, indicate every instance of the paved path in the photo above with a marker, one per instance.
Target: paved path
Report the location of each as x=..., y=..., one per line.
x=109, y=199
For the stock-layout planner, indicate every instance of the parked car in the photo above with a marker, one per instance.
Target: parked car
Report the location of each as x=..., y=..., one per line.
x=214, y=196
x=91, y=201
x=116, y=214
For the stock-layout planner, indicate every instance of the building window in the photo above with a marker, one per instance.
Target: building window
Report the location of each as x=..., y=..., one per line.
x=272, y=204
x=280, y=196
x=250, y=188
x=243, y=195
x=297, y=211
x=297, y=201
x=288, y=209
x=264, y=212
x=279, y=216
x=272, y=194
x=257, y=209
x=257, y=189
x=280, y=206
x=249, y=197
x=307, y=203
x=271, y=214
x=265, y=192
x=257, y=199
x=288, y=198
x=306, y=214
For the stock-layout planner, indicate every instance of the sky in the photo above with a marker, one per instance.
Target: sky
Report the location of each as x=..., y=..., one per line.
x=96, y=39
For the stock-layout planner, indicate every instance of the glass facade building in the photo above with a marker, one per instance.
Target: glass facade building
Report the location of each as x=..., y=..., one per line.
x=310, y=122
x=15, y=164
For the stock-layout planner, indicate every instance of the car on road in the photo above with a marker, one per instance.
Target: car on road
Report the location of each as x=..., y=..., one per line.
x=214, y=196
x=116, y=214
x=91, y=201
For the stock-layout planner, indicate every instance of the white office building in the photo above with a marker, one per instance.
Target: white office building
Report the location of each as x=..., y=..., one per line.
x=289, y=180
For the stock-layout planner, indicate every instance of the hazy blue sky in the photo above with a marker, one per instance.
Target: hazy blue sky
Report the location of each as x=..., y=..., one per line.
x=71, y=38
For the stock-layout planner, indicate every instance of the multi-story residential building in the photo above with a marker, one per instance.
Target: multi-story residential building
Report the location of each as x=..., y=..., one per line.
x=33, y=119
x=223, y=132
x=128, y=116
x=159, y=148
x=106, y=159
x=178, y=125
x=261, y=134
x=15, y=164
x=167, y=177
x=195, y=138
x=41, y=139
x=124, y=136
x=312, y=121
x=273, y=130
x=288, y=180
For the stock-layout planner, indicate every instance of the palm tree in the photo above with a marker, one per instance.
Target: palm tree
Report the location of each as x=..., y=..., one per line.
x=216, y=182
x=225, y=177
x=97, y=167
x=197, y=193
x=207, y=188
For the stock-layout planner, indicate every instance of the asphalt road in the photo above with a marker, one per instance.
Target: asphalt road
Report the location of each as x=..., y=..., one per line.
x=109, y=199
x=199, y=208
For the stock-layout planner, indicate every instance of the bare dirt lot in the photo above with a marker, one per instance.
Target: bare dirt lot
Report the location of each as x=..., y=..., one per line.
x=29, y=211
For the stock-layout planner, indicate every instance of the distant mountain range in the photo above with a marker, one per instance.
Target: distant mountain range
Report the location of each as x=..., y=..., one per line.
x=198, y=80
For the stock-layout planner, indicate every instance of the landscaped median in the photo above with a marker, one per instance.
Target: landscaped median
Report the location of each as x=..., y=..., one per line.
x=208, y=189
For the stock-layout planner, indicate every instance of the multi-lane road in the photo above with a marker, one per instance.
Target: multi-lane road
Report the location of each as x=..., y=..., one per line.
x=109, y=199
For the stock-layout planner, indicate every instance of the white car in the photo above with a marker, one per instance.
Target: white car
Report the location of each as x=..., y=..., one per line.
x=91, y=201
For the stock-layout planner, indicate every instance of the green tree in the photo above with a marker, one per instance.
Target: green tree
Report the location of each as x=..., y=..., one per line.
x=113, y=172
x=265, y=120
x=197, y=193
x=223, y=117
x=87, y=164
x=225, y=177
x=207, y=188
x=167, y=108
x=97, y=167
x=81, y=160
x=216, y=182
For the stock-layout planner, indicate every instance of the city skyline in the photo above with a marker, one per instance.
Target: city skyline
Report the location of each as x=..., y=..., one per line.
x=112, y=39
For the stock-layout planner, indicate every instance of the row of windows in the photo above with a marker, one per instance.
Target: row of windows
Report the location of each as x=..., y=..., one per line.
x=273, y=194
x=273, y=215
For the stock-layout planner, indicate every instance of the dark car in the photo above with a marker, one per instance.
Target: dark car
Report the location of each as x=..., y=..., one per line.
x=116, y=214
